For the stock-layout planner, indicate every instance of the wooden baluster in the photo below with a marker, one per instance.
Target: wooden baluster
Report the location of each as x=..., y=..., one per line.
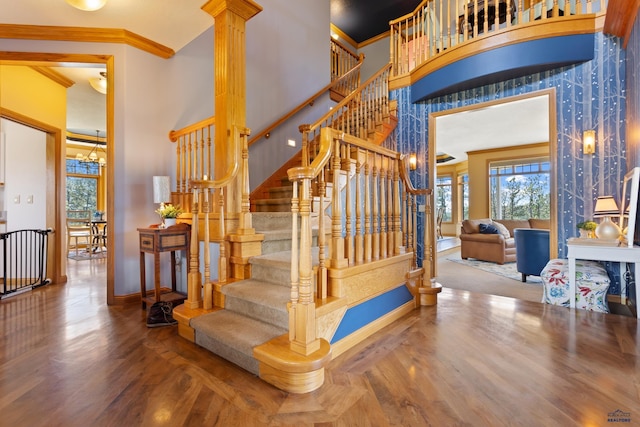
x=410, y=224
x=194, y=281
x=246, y=221
x=509, y=17
x=305, y=341
x=359, y=237
x=202, y=152
x=375, y=219
x=441, y=33
x=589, y=8
x=531, y=11
x=543, y=10
x=391, y=213
x=337, y=242
x=222, y=232
x=295, y=209
x=368, y=250
x=208, y=292
x=180, y=171
x=322, y=267
x=485, y=21
x=394, y=216
x=397, y=208
x=404, y=222
x=209, y=171
x=383, y=210
x=349, y=241
x=414, y=232
x=496, y=18
x=304, y=130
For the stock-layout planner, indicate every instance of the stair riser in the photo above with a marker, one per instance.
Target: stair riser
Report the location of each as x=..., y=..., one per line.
x=276, y=316
x=271, y=274
x=245, y=361
x=276, y=221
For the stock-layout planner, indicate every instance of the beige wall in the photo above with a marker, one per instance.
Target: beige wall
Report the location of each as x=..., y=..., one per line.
x=31, y=94
x=479, y=173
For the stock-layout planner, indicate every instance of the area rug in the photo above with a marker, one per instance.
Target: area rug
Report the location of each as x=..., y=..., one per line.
x=507, y=270
x=84, y=255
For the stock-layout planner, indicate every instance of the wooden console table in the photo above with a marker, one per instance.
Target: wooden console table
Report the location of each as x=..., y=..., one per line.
x=156, y=241
x=621, y=254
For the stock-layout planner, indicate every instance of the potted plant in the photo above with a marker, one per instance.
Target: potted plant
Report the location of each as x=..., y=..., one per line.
x=587, y=228
x=169, y=213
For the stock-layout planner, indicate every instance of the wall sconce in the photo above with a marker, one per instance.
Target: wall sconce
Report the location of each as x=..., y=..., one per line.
x=413, y=161
x=589, y=141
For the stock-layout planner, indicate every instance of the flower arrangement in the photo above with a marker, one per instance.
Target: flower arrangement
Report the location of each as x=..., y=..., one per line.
x=587, y=229
x=169, y=211
x=587, y=225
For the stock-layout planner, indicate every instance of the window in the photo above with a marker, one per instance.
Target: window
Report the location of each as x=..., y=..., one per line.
x=463, y=186
x=443, y=184
x=519, y=189
x=82, y=186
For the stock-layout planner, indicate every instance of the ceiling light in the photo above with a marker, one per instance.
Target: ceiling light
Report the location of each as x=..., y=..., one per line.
x=93, y=154
x=87, y=5
x=99, y=83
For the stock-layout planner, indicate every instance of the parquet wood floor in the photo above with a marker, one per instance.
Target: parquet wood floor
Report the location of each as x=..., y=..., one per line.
x=66, y=359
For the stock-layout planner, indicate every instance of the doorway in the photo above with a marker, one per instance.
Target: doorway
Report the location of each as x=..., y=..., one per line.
x=459, y=133
x=56, y=144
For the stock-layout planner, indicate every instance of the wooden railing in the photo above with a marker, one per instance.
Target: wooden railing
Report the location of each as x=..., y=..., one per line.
x=342, y=60
x=373, y=217
x=437, y=25
x=204, y=198
x=194, y=157
x=358, y=114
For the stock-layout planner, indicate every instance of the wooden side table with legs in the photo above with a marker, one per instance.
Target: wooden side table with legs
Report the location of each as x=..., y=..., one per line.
x=156, y=241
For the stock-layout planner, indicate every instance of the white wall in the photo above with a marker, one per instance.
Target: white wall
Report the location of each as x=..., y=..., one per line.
x=24, y=159
x=376, y=56
x=287, y=62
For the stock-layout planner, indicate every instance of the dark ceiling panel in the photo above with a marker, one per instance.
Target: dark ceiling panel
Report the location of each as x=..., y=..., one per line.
x=364, y=19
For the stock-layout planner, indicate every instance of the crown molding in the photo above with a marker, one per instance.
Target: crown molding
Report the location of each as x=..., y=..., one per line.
x=84, y=34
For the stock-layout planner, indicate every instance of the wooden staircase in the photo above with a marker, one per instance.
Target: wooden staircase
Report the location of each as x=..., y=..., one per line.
x=274, y=194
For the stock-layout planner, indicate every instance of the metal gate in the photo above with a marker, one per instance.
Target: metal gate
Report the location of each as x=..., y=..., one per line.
x=24, y=261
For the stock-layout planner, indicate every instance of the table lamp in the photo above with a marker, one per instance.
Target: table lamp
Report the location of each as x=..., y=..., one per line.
x=606, y=207
x=161, y=191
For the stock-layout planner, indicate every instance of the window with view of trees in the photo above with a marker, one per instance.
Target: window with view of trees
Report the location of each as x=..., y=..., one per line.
x=443, y=184
x=519, y=189
x=82, y=186
x=463, y=185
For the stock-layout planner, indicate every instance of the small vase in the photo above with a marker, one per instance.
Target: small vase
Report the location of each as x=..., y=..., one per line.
x=168, y=222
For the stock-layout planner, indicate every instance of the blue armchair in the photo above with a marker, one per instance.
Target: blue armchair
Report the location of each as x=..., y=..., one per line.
x=532, y=251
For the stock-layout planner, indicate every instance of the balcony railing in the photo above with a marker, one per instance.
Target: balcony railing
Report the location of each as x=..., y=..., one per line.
x=437, y=25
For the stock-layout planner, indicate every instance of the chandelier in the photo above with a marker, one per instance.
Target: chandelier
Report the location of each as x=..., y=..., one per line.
x=93, y=154
x=87, y=5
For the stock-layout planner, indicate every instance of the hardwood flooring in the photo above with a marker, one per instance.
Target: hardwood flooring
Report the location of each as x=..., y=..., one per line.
x=67, y=359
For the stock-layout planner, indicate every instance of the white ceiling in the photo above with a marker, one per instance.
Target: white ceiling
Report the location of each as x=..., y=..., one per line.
x=172, y=23
x=524, y=121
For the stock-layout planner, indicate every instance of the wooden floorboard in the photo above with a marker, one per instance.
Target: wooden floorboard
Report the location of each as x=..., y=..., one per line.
x=67, y=359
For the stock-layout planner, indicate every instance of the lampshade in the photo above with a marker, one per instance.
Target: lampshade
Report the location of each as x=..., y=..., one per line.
x=606, y=206
x=161, y=191
x=87, y=5
x=589, y=141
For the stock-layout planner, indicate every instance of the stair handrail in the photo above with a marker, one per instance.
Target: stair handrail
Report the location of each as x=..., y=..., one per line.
x=342, y=59
x=411, y=211
x=372, y=97
x=351, y=75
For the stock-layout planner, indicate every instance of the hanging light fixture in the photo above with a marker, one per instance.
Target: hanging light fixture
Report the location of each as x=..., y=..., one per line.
x=87, y=5
x=99, y=83
x=93, y=154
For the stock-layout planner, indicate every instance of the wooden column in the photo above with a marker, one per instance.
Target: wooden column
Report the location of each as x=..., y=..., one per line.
x=230, y=18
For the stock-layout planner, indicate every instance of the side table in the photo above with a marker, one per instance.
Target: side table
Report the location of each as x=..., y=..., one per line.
x=156, y=241
x=621, y=254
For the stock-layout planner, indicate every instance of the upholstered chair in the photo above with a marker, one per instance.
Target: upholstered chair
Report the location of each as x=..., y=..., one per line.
x=532, y=251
